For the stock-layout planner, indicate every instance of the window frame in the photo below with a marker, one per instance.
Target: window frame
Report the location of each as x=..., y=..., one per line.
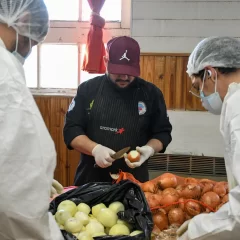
x=75, y=32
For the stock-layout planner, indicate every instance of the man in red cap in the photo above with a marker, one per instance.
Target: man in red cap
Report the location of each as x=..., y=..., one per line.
x=114, y=111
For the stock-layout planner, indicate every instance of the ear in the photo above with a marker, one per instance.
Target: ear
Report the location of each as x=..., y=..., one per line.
x=211, y=73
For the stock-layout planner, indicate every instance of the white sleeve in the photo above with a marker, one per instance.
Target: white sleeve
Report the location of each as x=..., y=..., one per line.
x=225, y=223
x=27, y=163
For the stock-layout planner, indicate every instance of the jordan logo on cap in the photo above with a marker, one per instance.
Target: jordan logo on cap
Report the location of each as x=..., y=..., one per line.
x=124, y=56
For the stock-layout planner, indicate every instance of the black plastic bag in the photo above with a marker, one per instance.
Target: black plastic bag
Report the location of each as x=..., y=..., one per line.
x=137, y=211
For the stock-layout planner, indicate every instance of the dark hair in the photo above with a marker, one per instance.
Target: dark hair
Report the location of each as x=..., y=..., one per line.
x=222, y=70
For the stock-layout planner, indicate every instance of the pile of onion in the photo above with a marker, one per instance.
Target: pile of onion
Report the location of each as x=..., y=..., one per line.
x=175, y=199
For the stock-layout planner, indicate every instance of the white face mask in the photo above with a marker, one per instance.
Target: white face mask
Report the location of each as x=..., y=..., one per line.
x=213, y=102
x=19, y=57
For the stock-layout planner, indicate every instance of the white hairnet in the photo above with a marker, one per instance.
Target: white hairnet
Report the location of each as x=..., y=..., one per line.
x=28, y=17
x=215, y=52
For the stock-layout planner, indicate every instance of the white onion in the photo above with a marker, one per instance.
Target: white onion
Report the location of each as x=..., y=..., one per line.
x=94, y=227
x=119, y=229
x=107, y=217
x=83, y=207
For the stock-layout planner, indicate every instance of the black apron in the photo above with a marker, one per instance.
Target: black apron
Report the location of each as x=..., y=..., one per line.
x=114, y=122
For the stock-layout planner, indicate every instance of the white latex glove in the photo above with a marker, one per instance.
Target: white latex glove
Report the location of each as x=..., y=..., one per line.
x=146, y=152
x=182, y=233
x=57, y=188
x=102, y=156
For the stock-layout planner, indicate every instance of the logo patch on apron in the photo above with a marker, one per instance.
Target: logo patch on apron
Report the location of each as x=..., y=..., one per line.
x=115, y=130
x=142, y=108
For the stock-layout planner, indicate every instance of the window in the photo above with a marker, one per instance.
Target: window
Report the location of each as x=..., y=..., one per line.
x=57, y=10
x=64, y=72
x=55, y=65
x=111, y=10
x=65, y=10
x=31, y=69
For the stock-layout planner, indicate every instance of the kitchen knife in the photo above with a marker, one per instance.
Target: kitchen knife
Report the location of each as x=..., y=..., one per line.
x=119, y=154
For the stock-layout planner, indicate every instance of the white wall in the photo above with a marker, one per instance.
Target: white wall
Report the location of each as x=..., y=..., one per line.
x=165, y=26
x=195, y=133
x=177, y=26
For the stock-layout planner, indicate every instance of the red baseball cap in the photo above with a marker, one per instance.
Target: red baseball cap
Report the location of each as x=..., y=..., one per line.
x=124, y=56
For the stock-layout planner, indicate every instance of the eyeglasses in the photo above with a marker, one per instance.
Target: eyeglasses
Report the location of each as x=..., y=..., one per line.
x=195, y=92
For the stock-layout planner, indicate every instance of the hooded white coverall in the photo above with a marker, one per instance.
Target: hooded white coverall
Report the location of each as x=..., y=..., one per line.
x=27, y=159
x=225, y=223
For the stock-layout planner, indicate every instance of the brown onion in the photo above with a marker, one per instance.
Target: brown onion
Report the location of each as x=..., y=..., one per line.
x=220, y=189
x=176, y=216
x=225, y=198
x=169, y=199
x=192, y=208
x=190, y=180
x=167, y=180
x=171, y=191
x=158, y=197
x=208, y=187
x=205, y=180
x=148, y=187
x=211, y=199
x=148, y=195
x=182, y=203
x=192, y=191
x=160, y=220
x=159, y=191
x=152, y=201
x=179, y=189
x=180, y=180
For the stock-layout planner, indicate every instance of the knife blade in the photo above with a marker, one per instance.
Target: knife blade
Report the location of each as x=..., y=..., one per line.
x=119, y=154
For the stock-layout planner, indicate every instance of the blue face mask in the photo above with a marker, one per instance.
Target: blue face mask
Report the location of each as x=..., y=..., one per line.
x=213, y=102
x=19, y=57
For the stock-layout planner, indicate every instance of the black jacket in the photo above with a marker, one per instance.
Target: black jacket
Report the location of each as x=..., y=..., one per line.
x=157, y=121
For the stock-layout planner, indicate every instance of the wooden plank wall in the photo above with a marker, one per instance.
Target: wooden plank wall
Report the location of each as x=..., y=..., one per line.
x=168, y=72
x=53, y=110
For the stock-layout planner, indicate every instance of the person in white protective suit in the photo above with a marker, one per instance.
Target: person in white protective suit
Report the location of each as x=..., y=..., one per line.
x=214, y=68
x=27, y=152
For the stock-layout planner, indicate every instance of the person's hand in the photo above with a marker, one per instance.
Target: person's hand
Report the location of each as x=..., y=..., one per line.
x=102, y=156
x=57, y=188
x=145, y=153
x=182, y=231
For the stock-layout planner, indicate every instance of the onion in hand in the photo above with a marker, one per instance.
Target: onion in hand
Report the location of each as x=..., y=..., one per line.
x=133, y=156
